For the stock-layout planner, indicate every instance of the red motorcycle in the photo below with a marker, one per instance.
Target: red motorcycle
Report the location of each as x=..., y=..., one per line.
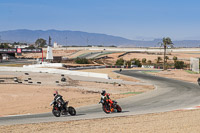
x=109, y=107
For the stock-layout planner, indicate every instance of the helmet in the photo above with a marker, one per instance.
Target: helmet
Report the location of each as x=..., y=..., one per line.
x=103, y=92
x=55, y=93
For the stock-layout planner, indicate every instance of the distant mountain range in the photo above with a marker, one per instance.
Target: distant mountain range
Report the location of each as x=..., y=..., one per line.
x=79, y=38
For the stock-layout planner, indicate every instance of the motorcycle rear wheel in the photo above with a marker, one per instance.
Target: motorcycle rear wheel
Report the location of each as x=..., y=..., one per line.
x=72, y=111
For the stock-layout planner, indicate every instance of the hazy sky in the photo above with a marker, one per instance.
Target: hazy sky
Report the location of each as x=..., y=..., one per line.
x=133, y=19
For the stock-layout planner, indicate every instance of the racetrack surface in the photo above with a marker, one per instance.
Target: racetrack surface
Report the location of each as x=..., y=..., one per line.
x=169, y=95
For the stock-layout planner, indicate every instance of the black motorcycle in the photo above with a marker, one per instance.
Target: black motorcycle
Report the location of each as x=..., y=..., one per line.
x=59, y=109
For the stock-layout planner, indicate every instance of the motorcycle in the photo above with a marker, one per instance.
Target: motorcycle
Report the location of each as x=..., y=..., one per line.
x=58, y=109
x=108, y=107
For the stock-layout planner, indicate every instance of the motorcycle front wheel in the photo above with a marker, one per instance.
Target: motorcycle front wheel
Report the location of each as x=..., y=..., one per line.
x=105, y=109
x=72, y=111
x=119, y=109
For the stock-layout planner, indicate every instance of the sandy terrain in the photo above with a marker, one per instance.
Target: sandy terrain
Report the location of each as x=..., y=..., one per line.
x=177, y=74
x=62, y=52
x=168, y=122
x=35, y=98
x=184, y=56
x=175, y=121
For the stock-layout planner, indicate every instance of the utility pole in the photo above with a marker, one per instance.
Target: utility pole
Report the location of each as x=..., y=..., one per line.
x=66, y=42
x=87, y=41
x=49, y=41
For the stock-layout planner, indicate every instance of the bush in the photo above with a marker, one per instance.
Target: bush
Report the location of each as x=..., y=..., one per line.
x=136, y=62
x=179, y=64
x=119, y=62
x=149, y=61
x=81, y=61
x=128, y=63
x=144, y=60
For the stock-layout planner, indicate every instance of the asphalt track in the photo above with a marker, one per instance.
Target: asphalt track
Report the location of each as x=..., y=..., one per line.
x=169, y=95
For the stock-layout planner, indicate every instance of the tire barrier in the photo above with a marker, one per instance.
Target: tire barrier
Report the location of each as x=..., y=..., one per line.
x=88, y=67
x=30, y=82
x=56, y=71
x=15, y=79
x=63, y=79
x=198, y=80
x=57, y=81
x=26, y=73
x=38, y=82
x=29, y=78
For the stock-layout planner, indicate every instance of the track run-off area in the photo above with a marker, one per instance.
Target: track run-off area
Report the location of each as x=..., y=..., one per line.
x=169, y=95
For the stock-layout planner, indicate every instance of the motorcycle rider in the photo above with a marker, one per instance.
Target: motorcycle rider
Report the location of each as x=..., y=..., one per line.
x=58, y=98
x=106, y=97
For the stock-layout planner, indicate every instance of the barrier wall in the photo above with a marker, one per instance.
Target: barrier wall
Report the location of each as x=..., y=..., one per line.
x=58, y=71
x=44, y=64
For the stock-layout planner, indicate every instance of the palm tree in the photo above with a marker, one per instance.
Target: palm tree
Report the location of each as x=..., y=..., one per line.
x=165, y=43
x=166, y=58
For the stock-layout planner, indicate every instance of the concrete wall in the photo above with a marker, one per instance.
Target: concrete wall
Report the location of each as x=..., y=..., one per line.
x=44, y=64
x=58, y=71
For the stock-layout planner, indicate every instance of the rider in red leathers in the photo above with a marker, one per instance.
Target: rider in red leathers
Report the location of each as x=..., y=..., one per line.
x=107, y=99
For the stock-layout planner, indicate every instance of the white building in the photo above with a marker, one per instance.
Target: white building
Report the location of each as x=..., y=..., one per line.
x=56, y=45
x=21, y=46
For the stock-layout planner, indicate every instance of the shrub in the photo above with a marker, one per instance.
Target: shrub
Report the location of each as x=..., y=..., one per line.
x=81, y=61
x=149, y=61
x=144, y=60
x=119, y=62
x=179, y=64
x=136, y=62
x=175, y=59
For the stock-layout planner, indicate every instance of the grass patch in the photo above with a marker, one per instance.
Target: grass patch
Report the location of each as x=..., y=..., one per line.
x=132, y=93
x=191, y=72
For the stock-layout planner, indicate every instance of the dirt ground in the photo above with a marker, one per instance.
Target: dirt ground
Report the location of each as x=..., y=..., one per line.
x=30, y=98
x=177, y=74
x=173, y=121
x=167, y=122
